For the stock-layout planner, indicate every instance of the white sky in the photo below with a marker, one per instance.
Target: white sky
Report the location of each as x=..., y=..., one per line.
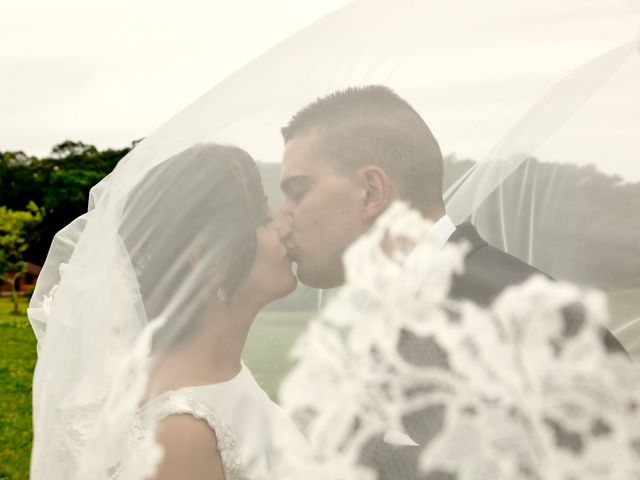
x=107, y=73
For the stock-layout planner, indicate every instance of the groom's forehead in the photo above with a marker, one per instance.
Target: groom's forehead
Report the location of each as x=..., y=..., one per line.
x=305, y=172
x=302, y=157
x=300, y=149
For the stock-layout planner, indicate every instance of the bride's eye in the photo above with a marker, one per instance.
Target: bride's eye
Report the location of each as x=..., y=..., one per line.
x=266, y=220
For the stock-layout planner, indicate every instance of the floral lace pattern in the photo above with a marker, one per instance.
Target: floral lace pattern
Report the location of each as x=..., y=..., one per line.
x=48, y=298
x=526, y=389
x=39, y=312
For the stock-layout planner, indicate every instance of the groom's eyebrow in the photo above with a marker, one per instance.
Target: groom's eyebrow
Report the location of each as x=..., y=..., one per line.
x=294, y=181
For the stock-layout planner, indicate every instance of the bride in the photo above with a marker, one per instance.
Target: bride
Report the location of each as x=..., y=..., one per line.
x=204, y=255
x=228, y=242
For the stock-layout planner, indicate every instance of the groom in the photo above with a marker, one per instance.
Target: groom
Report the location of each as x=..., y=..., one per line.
x=347, y=157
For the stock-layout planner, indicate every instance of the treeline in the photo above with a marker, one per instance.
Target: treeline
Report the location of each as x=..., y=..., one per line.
x=59, y=184
x=572, y=221
x=585, y=223
x=40, y=196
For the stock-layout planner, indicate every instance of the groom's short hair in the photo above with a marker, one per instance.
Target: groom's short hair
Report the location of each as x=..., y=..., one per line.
x=373, y=125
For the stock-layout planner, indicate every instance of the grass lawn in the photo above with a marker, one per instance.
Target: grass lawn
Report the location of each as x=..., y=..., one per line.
x=624, y=306
x=270, y=339
x=17, y=360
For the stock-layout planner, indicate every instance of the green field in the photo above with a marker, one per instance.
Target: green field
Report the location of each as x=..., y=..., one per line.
x=270, y=339
x=265, y=354
x=17, y=359
x=624, y=306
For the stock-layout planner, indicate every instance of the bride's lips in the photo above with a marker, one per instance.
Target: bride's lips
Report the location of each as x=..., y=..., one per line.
x=291, y=250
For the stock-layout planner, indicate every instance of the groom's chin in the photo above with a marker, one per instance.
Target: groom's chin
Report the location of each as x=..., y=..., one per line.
x=318, y=278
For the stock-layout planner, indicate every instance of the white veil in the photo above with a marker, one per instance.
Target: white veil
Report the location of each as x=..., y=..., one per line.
x=553, y=178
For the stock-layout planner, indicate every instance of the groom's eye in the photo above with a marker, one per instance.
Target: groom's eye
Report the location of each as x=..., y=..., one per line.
x=295, y=187
x=296, y=195
x=266, y=220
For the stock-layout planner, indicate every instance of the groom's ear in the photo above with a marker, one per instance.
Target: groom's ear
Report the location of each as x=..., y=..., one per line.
x=379, y=190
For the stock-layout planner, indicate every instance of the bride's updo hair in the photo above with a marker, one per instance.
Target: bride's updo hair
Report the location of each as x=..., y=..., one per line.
x=189, y=227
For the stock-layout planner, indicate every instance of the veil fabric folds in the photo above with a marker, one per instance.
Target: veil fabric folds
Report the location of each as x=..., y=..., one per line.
x=540, y=137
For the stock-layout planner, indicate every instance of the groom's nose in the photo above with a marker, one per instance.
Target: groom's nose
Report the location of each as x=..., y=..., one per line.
x=286, y=207
x=283, y=224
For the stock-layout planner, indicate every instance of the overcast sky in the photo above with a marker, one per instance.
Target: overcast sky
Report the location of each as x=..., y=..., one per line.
x=110, y=72
x=107, y=73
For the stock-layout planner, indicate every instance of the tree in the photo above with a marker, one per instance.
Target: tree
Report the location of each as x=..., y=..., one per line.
x=15, y=227
x=16, y=158
x=68, y=190
x=60, y=183
x=69, y=148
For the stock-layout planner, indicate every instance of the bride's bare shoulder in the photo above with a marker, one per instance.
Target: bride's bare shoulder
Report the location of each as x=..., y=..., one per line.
x=190, y=447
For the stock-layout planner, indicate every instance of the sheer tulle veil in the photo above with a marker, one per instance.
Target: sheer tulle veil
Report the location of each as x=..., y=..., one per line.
x=535, y=108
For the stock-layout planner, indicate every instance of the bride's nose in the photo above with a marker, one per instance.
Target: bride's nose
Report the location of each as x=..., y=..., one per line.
x=282, y=223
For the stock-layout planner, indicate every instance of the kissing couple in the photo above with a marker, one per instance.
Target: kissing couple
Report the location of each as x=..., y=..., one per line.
x=176, y=260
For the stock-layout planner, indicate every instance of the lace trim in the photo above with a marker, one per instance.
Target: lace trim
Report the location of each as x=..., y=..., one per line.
x=47, y=300
x=173, y=403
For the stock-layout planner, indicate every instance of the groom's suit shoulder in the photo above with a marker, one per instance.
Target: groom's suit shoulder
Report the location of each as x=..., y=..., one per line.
x=487, y=270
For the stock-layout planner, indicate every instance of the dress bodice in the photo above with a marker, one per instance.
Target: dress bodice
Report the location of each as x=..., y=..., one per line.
x=248, y=425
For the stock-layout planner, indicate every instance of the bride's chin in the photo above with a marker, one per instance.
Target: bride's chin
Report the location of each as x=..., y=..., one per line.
x=292, y=283
x=289, y=284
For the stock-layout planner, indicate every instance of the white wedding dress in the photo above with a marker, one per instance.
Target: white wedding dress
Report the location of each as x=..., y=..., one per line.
x=248, y=425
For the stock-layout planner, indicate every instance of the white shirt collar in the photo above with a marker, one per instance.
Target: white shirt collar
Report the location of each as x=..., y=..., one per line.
x=444, y=228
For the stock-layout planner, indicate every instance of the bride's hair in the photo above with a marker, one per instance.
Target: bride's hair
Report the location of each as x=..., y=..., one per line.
x=190, y=224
